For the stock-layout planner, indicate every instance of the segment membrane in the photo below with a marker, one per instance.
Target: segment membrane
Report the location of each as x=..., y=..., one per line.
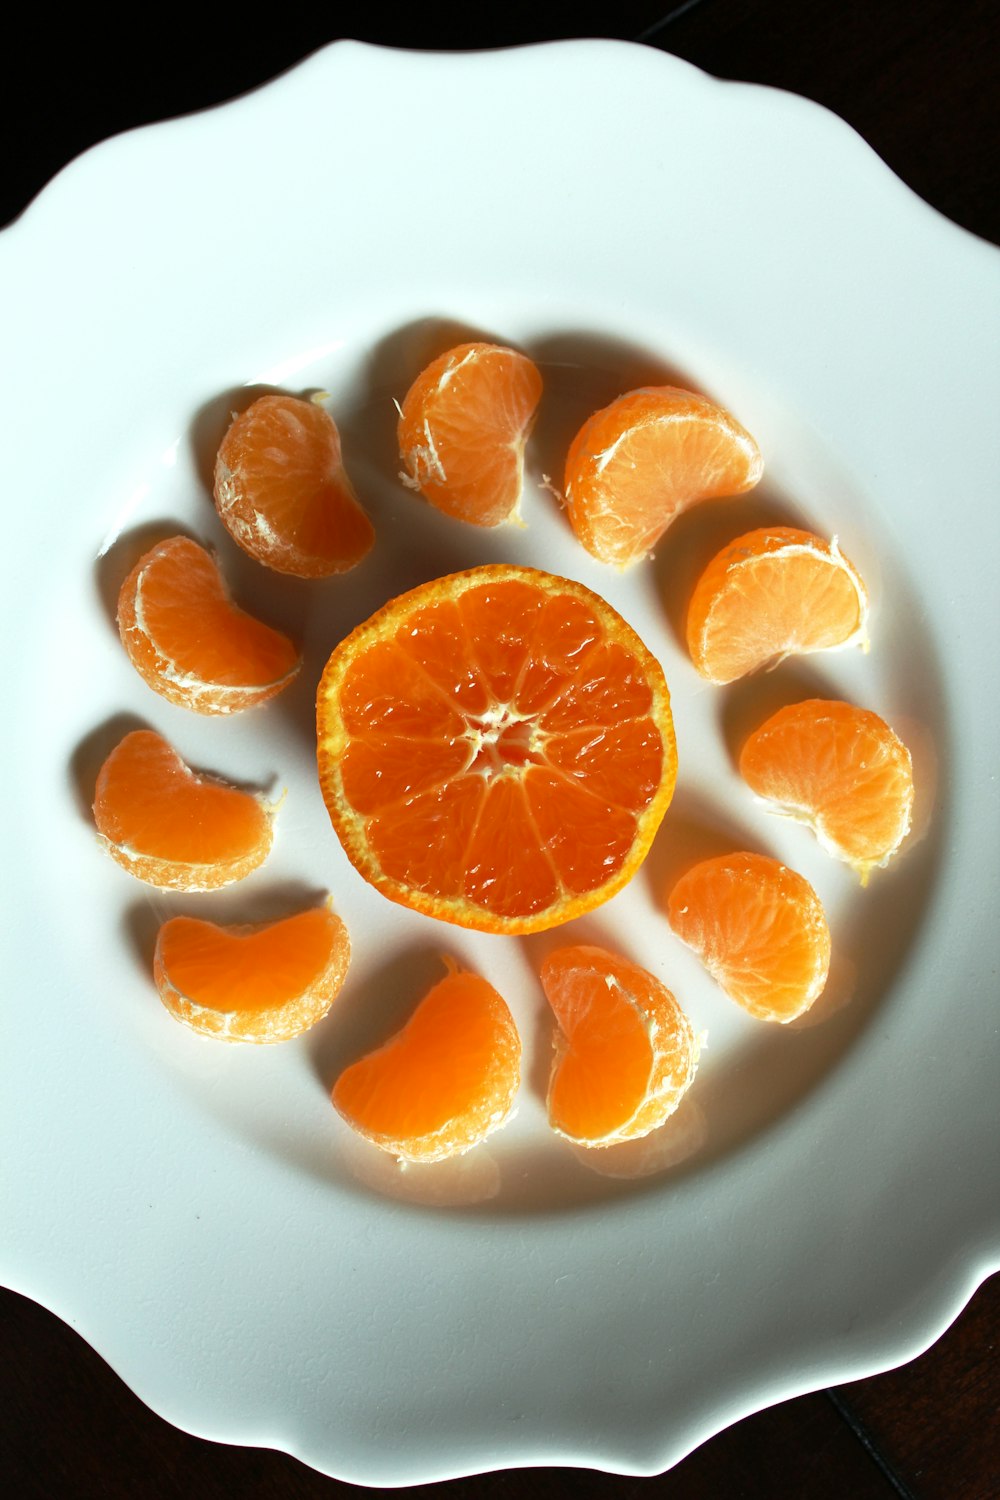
x=608, y=688
x=384, y=690
x=566, y=632
x=423, y=842
x=385, y=769
x=587, y=840
x=435, y=638
x=507, y=870
x=499, y=620
x=622, y=765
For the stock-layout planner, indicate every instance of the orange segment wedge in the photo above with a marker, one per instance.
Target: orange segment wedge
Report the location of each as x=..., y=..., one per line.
x=636, y=464
x=496, y=749
x=841, y=770
x=283, y=492
x=259, y=982
x=759, y=929
x=462, y=431
x=172, y=828
x=773, y=593
x=625, y=1053
x=444, y=1082
x=190, y=642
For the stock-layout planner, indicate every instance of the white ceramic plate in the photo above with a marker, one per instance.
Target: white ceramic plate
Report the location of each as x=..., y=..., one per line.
x=821, y=1208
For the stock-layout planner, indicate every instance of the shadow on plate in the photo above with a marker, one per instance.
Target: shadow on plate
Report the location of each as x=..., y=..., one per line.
x=744, y=705
x=588, y=931
x=584, y=371
x=213, y=419
x=91, y=753
x=692, y=829
x=230, y=906
x=362, y=1019
x=93, y=750
x=115, y=564
x=368, y=421
x=698, y=534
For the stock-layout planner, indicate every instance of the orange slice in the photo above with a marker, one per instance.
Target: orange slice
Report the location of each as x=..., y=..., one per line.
x=496, y=749
x=462, y=431
x=636, y=464
x=759, y=929
x=189, y=641
x=171, y=828
x=774, y=593
x=283, y=492
x=443, y=1083
x=840, y=769
x=262, y=982
x=625, y=1053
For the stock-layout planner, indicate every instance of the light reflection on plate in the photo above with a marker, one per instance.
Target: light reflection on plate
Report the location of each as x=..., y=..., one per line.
x=676, y=1139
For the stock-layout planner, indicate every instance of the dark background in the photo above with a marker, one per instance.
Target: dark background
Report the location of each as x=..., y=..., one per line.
x=919, y=81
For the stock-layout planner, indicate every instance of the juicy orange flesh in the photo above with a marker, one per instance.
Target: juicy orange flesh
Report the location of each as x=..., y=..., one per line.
x=639, y=462
x=450, y=1069
x=191, y=625
x=242, y=968
x=757, y=600
x=605, y=1071
x=150, y=802
x=284, y=457
x=463, y=426
x=501, y=748
x=842, y=766
x=759, y=929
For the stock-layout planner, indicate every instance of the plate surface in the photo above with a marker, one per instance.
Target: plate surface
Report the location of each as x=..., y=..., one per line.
x=821, y=1207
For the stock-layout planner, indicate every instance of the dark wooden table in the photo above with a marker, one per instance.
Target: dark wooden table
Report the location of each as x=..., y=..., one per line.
x=919, y=81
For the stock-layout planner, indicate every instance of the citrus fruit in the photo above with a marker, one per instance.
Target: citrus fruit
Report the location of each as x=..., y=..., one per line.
x=172, y=828
x=462, y=431
x=496, y=749
x=840, y=769
x=624, y=1052
x=759, y=929
x=260, y=982
x=442, y=1083
x=636, y=464
x=283, y=492
x=773, y=593
x=189, y=641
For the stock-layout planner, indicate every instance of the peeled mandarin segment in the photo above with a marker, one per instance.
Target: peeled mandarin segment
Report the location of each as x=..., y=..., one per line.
x=462, y=431
x=190, y=642
x=496, y=876
x=840, y=769
x=172, y=828
x=283, y=492
x=773, y=593
x=625, y=1053
x=265, y=982
x=496, y=749
x=444, y=1082
x=416, y=851
x=759, y=929
x=623, y=762
x=637, y=464
x=569, y=630
x=586, y=839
